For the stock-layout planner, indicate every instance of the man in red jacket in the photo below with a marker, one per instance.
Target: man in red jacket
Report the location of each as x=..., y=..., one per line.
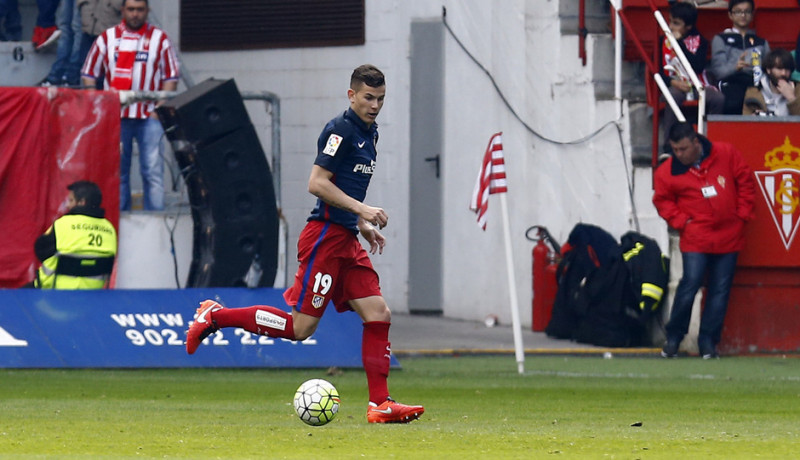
x=705, y=191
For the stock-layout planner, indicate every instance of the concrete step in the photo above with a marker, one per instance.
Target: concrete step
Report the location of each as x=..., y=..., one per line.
x=633, y=90
x=20, y=65
x=641, y=123
x=597, y=16
x=603, y=71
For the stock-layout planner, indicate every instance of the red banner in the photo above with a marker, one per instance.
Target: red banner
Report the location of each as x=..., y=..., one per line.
x=772, y=149
x=762, y=311
x=49, y=138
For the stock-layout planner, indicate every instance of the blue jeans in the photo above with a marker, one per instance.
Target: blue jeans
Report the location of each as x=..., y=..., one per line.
x=67, y=66
x=11, y=20
x=696, y=265
x=148, y=134
x=47, y=13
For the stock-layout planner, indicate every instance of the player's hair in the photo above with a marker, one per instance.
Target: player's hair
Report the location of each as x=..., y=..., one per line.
x=145, y=2
x=87, y=190
x=733, y=3
x=684, y=11
x=682, y=130
x=779, y=58
x=366, y=74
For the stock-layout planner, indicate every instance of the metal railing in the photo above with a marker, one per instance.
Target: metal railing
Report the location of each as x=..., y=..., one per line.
x=654, y=83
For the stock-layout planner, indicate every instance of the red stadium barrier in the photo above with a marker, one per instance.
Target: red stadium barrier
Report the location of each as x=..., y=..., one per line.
x=49, y=138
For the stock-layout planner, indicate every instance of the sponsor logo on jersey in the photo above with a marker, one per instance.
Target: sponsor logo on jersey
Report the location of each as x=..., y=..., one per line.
x=265, y=318
x=140, y=56
x=780, y=188
x=365, y=168
x=332, y=145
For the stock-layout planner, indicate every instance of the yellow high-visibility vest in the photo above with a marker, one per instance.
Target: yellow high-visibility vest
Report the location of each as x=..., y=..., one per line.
x=81, y=236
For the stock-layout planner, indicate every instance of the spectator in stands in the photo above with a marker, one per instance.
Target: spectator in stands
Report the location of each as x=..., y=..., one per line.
x=96, y=17
x=82, y=231
x=10, y=21
x=706, y=192
x=80, y=22
x=45, y=33
x=775, y=94
x=796, y=54
x=136, y=56
x=682, y=20
x=736, y=55
x=66, y=69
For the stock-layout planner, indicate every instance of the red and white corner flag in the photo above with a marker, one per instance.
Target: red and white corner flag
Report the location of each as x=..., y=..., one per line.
x=491, y=178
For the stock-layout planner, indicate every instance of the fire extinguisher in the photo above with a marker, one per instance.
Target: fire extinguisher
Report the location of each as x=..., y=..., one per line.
x=546, y=254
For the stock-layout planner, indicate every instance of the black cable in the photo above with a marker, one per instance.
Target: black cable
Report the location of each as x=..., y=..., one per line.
x=536, y=134
x=505, y=101
x=628, y=177
x=171, y=231
x=172, y=174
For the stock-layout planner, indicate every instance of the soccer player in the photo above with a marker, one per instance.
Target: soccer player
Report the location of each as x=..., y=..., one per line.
x=333, y=264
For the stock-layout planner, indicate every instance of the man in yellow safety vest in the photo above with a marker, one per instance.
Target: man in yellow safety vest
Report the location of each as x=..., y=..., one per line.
x=84, y=233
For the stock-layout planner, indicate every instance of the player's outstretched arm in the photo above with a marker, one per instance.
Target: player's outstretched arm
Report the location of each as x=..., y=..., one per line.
x=320, y=185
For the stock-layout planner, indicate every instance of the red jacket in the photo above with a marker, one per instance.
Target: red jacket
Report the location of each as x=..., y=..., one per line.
x=709, y=205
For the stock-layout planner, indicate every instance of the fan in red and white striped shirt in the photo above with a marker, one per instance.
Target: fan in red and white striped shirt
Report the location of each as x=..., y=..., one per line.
x=154, y=63
x=136, y=56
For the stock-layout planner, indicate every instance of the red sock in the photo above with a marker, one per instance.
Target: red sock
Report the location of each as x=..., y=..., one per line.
x=258, y=319
x=376, y=356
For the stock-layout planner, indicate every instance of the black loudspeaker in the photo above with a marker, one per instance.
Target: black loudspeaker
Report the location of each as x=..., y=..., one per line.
x=229, y=184
x=204, y=112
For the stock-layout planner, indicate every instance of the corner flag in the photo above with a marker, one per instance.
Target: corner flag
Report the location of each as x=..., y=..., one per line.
x=491, y=179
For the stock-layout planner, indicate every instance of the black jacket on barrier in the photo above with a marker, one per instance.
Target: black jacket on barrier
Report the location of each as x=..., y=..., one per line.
x=600, y=298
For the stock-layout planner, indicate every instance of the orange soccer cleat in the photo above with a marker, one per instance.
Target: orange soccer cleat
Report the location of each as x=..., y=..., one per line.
x=392, y=411
x=203, y=325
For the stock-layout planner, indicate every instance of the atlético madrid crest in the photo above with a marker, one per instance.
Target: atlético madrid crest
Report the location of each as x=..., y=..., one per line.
x=780, y=187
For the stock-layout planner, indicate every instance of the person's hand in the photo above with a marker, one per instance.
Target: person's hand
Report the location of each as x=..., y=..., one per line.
x=742, y=62
x=786, y=88
x=682, y=85
x=375, y=239
x=374, y=216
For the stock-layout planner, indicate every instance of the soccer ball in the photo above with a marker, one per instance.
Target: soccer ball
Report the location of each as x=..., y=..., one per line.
x=316, y=402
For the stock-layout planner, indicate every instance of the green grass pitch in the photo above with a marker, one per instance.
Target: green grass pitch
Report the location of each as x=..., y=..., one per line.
x=476, y=407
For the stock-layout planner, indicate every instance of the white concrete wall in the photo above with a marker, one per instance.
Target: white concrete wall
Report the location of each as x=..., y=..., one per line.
x=541, y=76
x=147, y=257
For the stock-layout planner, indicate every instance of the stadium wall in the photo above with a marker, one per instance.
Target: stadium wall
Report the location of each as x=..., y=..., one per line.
x=539, y=73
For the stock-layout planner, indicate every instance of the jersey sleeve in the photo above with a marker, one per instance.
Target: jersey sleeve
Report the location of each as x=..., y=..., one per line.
x=169, y=61
x=332, y=146
x=95, y=60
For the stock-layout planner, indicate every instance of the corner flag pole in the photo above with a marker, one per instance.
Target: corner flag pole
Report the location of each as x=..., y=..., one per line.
x=512, y=288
